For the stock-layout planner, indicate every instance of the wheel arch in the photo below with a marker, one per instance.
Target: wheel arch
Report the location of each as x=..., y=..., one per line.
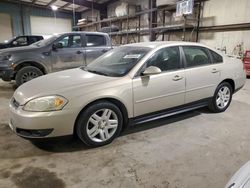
x=231, y=82
x=115, y=101
x=30, y=63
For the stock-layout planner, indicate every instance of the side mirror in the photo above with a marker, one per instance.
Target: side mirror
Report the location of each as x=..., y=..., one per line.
x=57, y=45
x=14, y=43
x=151, y=71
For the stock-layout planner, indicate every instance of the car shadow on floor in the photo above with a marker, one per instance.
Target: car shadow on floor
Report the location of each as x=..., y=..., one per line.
x=72, y=143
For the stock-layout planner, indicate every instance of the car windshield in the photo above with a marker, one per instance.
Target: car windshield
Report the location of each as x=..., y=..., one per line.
x=46, y=41
x=117, y=62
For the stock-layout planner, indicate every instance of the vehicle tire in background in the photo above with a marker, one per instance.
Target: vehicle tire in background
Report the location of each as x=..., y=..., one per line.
x=99, y=124
x=222, y=98
x=26, y=74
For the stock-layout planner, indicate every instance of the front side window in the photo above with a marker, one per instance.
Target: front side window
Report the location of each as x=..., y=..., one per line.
x=95, y=40
x=166, y=59
x=196, y=56
x=71, y=41
x=21, y=41
x=117, y=62
x=216, y=57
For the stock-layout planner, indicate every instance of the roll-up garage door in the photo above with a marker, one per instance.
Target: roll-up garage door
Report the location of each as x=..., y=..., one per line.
x=5, y=27
x=49, y=25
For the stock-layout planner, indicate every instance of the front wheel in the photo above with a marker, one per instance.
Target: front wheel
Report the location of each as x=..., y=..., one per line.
x=26, y=74
x=99, y=124
x=222, y=98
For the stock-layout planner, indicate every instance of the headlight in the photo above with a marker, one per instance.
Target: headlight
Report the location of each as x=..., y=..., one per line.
x=45, y=104
x=5, y=57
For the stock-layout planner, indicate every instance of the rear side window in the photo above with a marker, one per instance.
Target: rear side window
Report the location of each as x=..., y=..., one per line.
x=95, y=40
x=34, y=39
x=196, y=56
x=216, y=57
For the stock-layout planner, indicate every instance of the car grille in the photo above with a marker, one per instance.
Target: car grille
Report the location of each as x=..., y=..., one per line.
x=14, y=103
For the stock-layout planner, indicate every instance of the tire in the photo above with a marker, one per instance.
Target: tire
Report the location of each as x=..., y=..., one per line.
x=26, y=74
x=94, y=126
x=220, y=101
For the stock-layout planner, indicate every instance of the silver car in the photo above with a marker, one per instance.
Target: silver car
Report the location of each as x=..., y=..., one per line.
x=132, y=84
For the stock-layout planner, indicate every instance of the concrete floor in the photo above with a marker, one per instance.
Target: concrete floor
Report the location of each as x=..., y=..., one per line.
x=195, y=149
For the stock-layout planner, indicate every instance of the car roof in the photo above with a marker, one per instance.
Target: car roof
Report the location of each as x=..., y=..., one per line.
x=157, y=44
x=82, y=32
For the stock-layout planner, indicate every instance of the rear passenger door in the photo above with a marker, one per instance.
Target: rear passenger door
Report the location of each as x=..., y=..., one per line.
x=202, y=76
x=95, y=46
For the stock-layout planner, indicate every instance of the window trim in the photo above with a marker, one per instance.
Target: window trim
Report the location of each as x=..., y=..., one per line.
x=185, y=60
x=142, y=68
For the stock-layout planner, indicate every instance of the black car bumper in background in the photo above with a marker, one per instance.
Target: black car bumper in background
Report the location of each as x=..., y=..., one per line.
x=6, y=73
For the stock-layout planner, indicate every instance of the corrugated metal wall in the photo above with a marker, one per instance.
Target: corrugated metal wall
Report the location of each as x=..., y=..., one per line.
x=20, y=15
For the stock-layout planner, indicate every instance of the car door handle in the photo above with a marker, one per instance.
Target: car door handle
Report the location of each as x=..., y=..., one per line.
x=214, y=70
x=78, y=52
x=177, y=77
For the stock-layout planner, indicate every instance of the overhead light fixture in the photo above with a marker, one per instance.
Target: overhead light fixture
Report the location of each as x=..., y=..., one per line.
x=54, y=7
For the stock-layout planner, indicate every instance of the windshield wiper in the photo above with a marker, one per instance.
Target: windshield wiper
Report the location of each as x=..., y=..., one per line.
x=96, y=72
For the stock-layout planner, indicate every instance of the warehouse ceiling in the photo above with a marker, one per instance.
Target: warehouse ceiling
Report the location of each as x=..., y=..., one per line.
x=66, y=5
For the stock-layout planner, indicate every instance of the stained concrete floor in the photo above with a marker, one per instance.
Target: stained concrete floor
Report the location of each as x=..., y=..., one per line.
x=195, y=149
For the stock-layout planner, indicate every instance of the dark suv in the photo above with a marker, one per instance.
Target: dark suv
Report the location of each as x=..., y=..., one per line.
x=21, y=41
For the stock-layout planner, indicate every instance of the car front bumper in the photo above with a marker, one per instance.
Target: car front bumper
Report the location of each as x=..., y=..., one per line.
x=41, y=124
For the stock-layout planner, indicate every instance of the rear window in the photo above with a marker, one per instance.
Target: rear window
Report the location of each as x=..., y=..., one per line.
x=216, y=57
x=95, y=40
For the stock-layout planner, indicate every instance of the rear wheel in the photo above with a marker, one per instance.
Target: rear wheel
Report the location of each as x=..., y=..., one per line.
x=99, y=124
x=222, y=98
x=26, y=74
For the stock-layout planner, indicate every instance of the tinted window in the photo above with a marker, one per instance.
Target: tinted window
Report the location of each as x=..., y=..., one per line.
x=95, y=40
x=166, y=59
x=33, y=39
x=21, y=41
x=216, y=57
x=196, y=56
x=72, y=41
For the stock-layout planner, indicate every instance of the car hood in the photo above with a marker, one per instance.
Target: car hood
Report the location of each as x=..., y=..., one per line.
x=18, y=49
x=241, y=179
x=58, y=84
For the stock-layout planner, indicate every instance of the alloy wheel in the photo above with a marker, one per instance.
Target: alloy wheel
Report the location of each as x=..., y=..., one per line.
x=223, y=97
x=102, y=125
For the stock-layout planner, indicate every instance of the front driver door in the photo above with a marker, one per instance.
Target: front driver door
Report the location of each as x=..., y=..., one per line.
x=70, y=54
x=164, y=90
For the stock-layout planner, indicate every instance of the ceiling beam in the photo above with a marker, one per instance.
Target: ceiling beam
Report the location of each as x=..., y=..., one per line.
x=87, y=4
x=64, y=6
x=32, y=5
x=34, y=1
x=51, y=2
x=109, y=2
